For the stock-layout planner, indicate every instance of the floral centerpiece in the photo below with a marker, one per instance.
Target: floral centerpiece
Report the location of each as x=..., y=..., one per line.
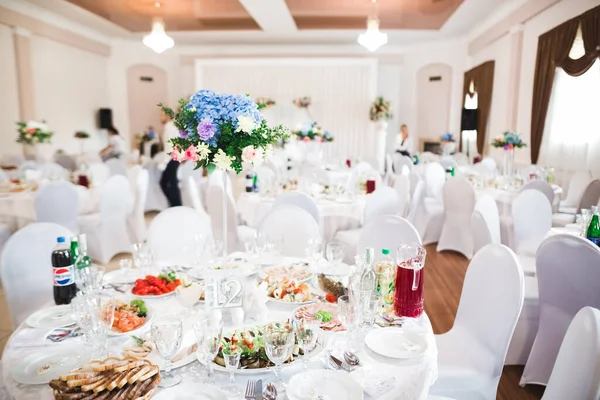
x=222, y=131
x=147, y=136
x=264, y=102
x=312, y=131
x=302, y=102
x=448, y=145
x=81, y=135
x=448, y=137
x=508, y=141
x=32, y=132
x=380, y=110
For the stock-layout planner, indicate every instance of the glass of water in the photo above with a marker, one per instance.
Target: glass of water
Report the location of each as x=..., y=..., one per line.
x=347, y=314
x=208, y=333
x=167, y=335
x=231, y=355
x=335, y=252
x=279, y=343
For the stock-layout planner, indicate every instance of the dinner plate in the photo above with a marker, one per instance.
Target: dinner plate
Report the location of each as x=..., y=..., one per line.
x=136, y=331
x=332, y=385
x=152, y=296
x=120, y=277
x=327, y=268
x=51, y=317
x=189, y=339
x=396, y=343
x=47, y=364
x=191, y=391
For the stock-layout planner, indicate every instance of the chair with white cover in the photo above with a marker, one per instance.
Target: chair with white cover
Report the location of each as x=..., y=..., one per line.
x=461, y=159
x=99, y=173
x=58, y=202
x=156, y=200
x=471, y=355
x=428, y=217
x=184, y=172
x=531, y=221
x=174, y=233
x=489, y=165
x=136, y=221
x=107, y=230
x=435, y=177
x=448, y=162
x=568, y=272
x=116, y=167
x=414, y=178
x=416, y=201
x=66, y=161
x=195, y=197
x=26, y=268
x=576, y=373
x=387, y=232
x=400, y=160
x=542, y=186
x=459, y=204
x=54, y=171
x=402, y=187
x=3, y=177
x=299, y=199
x=590, y=197
x=577, y=184
x=278, y=222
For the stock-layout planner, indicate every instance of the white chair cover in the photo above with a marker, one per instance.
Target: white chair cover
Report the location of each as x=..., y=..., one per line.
x=136, y=221
x=435, y=177
x=299, y=199
x=487, y=207
x=187, y=170
x=66, y=161
x=471, y=355
x=132, y=176
x=576, y=373
x=54, y=171
x=414, y=178
x=174, y=233
x=489, y=165
x=416, y=201
x=542, y=186
x=26, y=268
x=383, y=201
x=387, y=232
x=429, y=216
x=58, y=202
x=482, y=236
x=459, y=204
x=116, y=167
x=99, y=173
x=107, y=230
x=462, y=159
x=402, y=188
x=193, y=192
x=5, y=233
x=156, y=200
x=590, y=197
x=278, y=223
x=577, y=184
x=568, y=272
x=448, y=162
x=401, y=160
x=532, y=219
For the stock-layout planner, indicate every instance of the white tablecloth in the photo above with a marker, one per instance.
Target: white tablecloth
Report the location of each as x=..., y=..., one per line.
x=505, y=197
x=335, y=215
x=412, y=378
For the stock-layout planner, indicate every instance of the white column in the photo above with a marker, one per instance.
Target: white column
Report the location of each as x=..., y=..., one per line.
x=24, y=73
x=514, y=75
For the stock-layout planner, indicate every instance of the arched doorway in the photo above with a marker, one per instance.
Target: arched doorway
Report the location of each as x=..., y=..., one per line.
x=433, y=102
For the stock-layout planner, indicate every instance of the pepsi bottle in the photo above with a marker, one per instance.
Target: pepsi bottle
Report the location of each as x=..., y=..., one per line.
x=62, y=273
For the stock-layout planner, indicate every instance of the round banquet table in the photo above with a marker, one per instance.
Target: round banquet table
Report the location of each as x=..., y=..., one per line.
x=505, y=197
x=408, y=379
x=335, y=215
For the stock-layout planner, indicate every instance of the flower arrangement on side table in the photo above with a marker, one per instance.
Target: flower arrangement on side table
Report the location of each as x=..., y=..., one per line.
x=32, y=132
x=380, y=110
x=81, y=135
x=313, y=131
x=302, y=102
x=508, y=141
x=264, y=102
x=147, y=136
x=448, y=137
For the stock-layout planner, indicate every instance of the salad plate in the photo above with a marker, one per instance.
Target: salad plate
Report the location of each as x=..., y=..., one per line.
x=396, y=343
x=40, y=368
x=334, y=385
x=51, y=317
x=288, y=291
x=119, y=277
x=131, y=317
x=327, y=312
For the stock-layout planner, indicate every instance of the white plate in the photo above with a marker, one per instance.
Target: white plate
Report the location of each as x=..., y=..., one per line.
x=327, y=268
x=60, y=361
x=191, y=391
x=152, y=296
x=396, y=343
x=149, y=316
x=120, y=277
x=281, y=274
x=336, y=385
x=236, y=268
x=291, y=303
x=189, y=339
x=51, y=317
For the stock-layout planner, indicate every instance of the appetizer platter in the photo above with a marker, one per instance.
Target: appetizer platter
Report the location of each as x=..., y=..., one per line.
x=297, y=272
x=130, y=317
x=156, y=286
x=288, y=291
x=327, y=312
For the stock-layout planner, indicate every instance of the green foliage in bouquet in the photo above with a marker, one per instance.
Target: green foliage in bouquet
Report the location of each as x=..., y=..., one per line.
x=31, y=132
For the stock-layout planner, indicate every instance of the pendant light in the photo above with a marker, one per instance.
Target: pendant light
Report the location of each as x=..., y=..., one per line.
x=157, y=39
x=372, y=38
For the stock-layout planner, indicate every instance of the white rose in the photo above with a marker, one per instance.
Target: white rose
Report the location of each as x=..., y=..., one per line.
x=245, y=124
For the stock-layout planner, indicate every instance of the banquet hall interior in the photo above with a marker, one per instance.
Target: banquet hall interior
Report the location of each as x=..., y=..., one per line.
x=300, y=199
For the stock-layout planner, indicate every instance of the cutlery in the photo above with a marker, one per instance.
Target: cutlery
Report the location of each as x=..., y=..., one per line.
x=351, y=358
x=270, y=392
x=258, y=390
x=64, y=334
x=250, y=386
x=340, y=364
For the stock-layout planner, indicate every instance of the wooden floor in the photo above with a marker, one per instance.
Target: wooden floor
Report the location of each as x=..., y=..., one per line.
x=444, y=276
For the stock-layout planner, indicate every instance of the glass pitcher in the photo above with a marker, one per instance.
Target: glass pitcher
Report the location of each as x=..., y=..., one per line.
x=408, y=299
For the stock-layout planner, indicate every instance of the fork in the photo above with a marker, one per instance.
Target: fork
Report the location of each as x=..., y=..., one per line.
x=250, y=386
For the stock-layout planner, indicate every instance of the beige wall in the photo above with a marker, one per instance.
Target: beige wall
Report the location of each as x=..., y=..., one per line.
x=9, y=100
x=433, y=100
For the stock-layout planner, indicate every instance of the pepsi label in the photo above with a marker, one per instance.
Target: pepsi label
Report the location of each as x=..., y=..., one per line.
x=63, y=276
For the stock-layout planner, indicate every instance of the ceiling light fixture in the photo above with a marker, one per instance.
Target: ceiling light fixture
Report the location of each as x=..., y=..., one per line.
x=157, y=39
x=372, y=39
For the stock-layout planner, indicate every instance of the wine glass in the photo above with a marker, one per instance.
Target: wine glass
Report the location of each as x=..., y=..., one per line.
x=95, y=316
x=208, y=333
x=261, y=243
x=335, y=252
x=348, y=316
x=167, y=335
x=125, y=266
x=307, y=332
x=231, y=355
x=279, y=343
x=314, y=250
x=188, y=294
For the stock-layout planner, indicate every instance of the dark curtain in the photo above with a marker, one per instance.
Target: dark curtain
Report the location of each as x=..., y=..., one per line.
x=553, y=51
x=482, y=77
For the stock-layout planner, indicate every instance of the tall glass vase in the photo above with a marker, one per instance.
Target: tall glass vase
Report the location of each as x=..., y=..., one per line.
x=225, y=207
x=509, y=163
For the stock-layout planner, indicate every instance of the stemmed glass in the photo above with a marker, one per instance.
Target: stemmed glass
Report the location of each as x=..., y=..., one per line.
x=279, y=343
x=95, y=316
x=188, y=294
x=261, y=243
x=347, y=314
x=231, y=355
x=214, y=248
x=125, y=266
x=314, y=251
x=307, y=332
x=208, y=336
x=335, y=252
x=142, y=257
x=167, y=335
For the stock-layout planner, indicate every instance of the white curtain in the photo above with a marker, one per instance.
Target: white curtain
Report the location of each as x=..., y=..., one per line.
x=341, y=91
x=572, y=134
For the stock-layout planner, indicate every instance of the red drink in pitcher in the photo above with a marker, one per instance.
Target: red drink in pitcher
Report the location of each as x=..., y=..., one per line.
x=410, y=276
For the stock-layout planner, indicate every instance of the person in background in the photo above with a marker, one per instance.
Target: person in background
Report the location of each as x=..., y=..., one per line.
x=404, y=143
x=168, y=181
x=116, y=145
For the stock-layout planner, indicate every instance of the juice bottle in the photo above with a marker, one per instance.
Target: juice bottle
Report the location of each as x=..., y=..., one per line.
x=386, y=275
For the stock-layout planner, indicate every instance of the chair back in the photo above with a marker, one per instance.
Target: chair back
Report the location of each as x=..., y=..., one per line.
x=299, y=199
x=448, y=162
x=493, y=273
x=278, y=222
x=489, y=165
x=383, y=201
x=459, y=197
x=175, y=234
x=591, y=195
x=115, y=198
x=568, y=272
x=487, y=207
x=576, y=373
x=435, y=177
x=542, y=186
x=26, y=268
x=461, y=159
x=58, y=202
x=193, y=192
x=140, y=195
x=54, y=171
x=387, y=232
x=66, y=161
x=99, y=173
x=416, y=201
x=480, y=231
x=156, y=199
x=116, y=166
x=400, y=160
x=532, y=217
x=414, y=178
x=402, y=188
x=577, y=185
x=266, y=177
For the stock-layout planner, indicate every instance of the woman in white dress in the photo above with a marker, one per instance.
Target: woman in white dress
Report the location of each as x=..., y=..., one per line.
x=116, y=145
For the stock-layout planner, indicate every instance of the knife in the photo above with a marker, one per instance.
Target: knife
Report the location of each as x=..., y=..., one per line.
x=258, y=390
x=339, y=363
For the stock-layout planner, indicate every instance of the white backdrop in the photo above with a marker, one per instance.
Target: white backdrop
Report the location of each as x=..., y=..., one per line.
x=341, y=90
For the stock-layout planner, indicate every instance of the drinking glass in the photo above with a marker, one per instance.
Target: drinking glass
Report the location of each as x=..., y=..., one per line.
x=214, y=248
x=95, y=316
x=188, y=294
x=96, y=275
x=231, y=355
x=580, y=225
x=208, y=336
x=314, y=250
x=279, y=343
x=261, y=241
x=335, y=252
x=307, y=332
x=125, y=265
x=347, y=315
x=250, y=247
x=167, y=335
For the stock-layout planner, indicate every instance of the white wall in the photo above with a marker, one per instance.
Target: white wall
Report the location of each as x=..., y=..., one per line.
x=9, y=100
x=389, y=86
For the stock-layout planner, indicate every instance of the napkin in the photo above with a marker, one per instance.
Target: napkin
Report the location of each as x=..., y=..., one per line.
x=36, y=337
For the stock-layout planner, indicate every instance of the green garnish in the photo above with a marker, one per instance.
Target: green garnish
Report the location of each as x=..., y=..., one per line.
x=141, y=306
x=138, y=340
x=169, y=277
x=324, y=315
